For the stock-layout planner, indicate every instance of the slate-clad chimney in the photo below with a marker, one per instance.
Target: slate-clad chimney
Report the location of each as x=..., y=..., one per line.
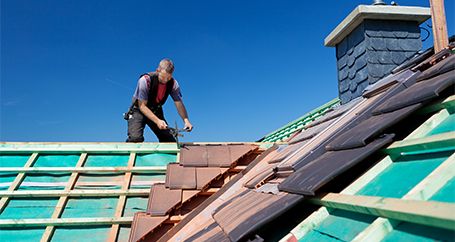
x=371, y=41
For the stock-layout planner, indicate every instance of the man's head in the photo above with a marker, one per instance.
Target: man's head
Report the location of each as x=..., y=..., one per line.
x=165, y=70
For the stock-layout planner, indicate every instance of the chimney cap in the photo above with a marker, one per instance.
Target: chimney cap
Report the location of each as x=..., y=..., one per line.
x=381, y=12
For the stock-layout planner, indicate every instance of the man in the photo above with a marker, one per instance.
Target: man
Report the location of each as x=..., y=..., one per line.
x=151, y=93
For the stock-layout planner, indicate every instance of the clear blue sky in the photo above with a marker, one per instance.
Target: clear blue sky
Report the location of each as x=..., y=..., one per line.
x=69, y=68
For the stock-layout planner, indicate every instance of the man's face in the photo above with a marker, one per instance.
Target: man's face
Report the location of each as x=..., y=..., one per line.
x=163, y=76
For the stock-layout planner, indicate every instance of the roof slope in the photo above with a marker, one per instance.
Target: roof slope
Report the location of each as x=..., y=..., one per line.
x=313, y=167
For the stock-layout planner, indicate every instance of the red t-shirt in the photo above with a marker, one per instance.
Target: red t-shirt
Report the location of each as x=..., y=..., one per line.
x=160, y=93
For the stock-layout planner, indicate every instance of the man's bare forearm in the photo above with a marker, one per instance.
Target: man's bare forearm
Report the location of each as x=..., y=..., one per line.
x=182, y=110
x=147, y=112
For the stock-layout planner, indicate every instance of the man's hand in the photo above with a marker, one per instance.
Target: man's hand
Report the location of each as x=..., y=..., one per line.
x=188, y=126
x=161, y=124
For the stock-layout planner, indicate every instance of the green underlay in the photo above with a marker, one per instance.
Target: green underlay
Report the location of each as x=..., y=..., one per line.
x=60, y=178
x=342, y=225
x=403, y=174
x=56, y=161
x=134, y=205
x=21, y=235
x=6, y=179
x=106, y=160
x=77, y=207
x=124, y=233
x=90, y=207
x=13, y=160
x=81, y=233
x=154, y=159
x=447, y=125
x=446, y=193
x=419, y=233
x=20, y=208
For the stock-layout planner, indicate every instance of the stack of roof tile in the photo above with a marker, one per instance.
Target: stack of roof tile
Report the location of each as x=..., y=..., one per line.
x=199, y=166
x=316, y=156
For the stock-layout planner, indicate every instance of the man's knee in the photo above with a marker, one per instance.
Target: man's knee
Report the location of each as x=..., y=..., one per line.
x=135, y=139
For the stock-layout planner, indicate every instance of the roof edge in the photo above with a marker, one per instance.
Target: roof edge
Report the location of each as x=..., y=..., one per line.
x=362, y=12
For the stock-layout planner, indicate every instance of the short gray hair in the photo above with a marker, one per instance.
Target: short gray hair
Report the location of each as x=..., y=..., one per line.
x=166, y=65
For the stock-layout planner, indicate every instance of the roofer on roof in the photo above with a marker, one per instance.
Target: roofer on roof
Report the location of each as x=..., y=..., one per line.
x=151, y=93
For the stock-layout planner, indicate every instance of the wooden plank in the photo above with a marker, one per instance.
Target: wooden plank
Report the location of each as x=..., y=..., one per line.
x=121, y=169
x=84, y=184
x=309, y=223
x=434, y=143
x=438, y=19
x=429, y=125
x=422, y=191
x=237, y=169
x=17, y=181
x=87, y=147
x=122, y=200
x=366, y=178
x=63, y=200
x=435, y=214
x=21, y=223
x=75, y=193
x=209, y=192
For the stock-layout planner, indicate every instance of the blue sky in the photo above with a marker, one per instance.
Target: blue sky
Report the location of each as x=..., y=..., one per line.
x=69, y=68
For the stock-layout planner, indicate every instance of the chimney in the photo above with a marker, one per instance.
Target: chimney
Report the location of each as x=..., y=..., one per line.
x=371, y=41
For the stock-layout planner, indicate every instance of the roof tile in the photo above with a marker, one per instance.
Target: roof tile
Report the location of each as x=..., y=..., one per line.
x=204, y=175
x=143, y=224
x=310, y=178
x=161, y=200
x=179, y=177
x=250, y=210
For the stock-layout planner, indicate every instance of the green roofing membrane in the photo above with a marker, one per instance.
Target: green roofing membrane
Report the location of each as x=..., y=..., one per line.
x=6, y=179
x=158, y=159
x=77, y=207
x=21, y=208
x=21, y=235
x=419, y=233
x=13, y=160
x=134, y=205
x=90, y=207
x=447, y=125
x=403, y=174
x=124, y=233
x=446, y=193
x=81, y=233
x=106, y=160
x=31, y=181
x=56, y=161
x=339, y=225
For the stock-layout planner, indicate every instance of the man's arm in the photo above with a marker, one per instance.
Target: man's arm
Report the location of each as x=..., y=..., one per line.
x=183, y=114
x=150, y=115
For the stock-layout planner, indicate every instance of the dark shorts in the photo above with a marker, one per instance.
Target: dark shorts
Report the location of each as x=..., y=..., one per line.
x=136, y=125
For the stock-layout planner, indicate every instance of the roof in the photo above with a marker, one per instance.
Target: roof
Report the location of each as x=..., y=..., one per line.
x=384, y=160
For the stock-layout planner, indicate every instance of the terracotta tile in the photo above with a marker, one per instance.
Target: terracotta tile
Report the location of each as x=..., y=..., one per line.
x=238, y=151
x=179, y=177
x=194, y=155
x=219, y=156
x=188, y=194
x=250, y=210
x=204, y=175
x=143, y=224
x=211, y=233
x=161, y=200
